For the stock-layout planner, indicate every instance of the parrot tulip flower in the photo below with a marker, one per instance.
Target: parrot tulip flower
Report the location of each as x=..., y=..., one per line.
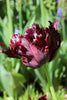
x=36, y=47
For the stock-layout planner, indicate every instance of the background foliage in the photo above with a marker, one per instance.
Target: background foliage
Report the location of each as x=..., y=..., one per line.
x=18, y=82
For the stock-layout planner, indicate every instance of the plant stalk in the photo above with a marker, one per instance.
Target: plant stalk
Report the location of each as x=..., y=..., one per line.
x=10, y=25
x=20, y=17
x=50, y=84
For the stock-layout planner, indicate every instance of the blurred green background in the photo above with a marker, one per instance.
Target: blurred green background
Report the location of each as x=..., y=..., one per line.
x=18, y=82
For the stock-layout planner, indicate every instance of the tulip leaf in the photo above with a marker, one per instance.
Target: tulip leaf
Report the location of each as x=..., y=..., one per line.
x=18, y=82
x=6, y=80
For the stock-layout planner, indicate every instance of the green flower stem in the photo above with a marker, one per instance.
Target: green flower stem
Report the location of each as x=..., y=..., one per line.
x=9, y=18
x=63, y=30
x=42, y=12
x=20, y=17
x=5, y=95
x=16, y=96
x=53, y=93
x=50, y=83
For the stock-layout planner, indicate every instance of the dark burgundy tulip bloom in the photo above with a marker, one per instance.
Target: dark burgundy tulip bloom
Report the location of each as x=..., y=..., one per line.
x=41, y=98
x=36, y=47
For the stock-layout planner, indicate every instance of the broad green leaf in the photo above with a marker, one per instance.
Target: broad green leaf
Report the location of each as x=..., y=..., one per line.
x=39, y=75
x=18, y=77
x=1, y=98
x=45, y=17
x=6, y=80
x=18, y=82
x=9, y=98
x=17, y=67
